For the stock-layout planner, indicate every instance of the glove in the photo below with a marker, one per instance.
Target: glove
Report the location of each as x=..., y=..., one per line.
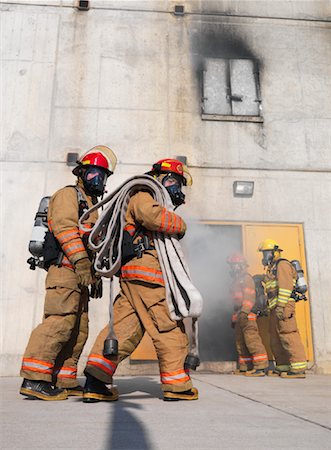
x=280, y=313
x=83, y=271
x=96, y=288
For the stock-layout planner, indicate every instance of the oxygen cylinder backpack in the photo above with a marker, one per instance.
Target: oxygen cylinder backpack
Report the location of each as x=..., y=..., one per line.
x=301, y=286
x=261, y=306
x=43, y=245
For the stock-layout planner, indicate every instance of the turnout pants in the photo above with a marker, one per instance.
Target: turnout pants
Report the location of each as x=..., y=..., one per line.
x=141, y=307
x=285, y=341
x=249, y=344
x=56, y=344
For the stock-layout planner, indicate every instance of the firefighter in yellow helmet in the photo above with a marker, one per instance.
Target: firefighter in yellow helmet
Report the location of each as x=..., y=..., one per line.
x=49, y=365
x=250, y=349
x=141, y=304
x=280, y=280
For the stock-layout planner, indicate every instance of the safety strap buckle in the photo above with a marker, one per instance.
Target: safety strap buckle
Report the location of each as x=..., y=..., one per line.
x=141, y=246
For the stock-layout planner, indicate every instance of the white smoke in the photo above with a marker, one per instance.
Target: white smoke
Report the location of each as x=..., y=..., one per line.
x=206, y=247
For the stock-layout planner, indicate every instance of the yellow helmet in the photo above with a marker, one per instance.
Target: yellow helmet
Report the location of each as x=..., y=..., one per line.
x=269, y=244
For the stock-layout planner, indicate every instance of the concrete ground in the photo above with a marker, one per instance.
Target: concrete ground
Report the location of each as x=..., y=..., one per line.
x=233, y=412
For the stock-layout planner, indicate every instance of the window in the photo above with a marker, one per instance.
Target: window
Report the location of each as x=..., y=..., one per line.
x=231, y=90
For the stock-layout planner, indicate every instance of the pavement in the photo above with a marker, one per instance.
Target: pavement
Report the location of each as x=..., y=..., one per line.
x=233, y=412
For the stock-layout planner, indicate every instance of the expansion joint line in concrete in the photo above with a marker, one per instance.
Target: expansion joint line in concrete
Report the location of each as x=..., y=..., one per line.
x=265, y=404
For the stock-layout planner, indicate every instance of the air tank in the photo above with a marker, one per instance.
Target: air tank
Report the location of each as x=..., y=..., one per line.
x=301, y=284
x=39, y=229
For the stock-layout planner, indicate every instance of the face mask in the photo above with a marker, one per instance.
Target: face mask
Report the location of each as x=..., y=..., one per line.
x=268, y=256
x=95, y=179
x=236, y=269
x=173, y=185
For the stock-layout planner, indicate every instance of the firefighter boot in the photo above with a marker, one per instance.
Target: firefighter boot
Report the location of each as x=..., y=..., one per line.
x=273, y=373
x=96, y=391
x=76, y=391
x=42, y=390
x=293, y=374
x=255, y=373
x=191, y=394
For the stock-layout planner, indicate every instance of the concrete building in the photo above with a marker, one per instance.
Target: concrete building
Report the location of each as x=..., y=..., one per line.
x=240, y=88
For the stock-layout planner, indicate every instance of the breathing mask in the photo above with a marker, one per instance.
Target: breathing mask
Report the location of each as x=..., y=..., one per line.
x=94, y=180
x=268, y=256
x=173, y=185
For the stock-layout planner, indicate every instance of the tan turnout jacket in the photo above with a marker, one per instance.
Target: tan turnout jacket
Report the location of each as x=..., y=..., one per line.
x=144, y=211
x=279, y=283
x=63, y=216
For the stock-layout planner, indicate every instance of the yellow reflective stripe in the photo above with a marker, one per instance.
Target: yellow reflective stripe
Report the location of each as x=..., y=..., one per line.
x=272, y=303
x=283, y=302
x=299, y=365
x=271, y=284
x=284, y=291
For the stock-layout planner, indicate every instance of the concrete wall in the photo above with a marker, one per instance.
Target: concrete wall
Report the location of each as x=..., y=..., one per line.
x=125, y=74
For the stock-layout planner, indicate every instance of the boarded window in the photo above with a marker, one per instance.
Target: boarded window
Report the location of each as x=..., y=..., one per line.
x=231, y=88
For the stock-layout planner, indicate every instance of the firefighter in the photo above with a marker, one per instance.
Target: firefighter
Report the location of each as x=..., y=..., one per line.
x=250, y=349
x=49, y=365
x=141, y=304
x=280, y=280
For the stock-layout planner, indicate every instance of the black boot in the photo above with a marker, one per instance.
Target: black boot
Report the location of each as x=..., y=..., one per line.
x=97, y=391
x=76, y=391
x=291, y=374
x=42, y=390
x=255, y=373
x=191, y=394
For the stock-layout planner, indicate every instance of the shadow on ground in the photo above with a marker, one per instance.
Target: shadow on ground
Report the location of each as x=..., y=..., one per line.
x=126, y=431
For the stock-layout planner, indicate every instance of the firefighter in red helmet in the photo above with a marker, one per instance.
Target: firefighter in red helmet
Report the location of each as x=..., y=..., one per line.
x=141, y=304
x=49, y=365
x=251, y=351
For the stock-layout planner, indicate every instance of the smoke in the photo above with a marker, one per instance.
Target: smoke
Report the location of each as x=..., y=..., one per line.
x=206, y=248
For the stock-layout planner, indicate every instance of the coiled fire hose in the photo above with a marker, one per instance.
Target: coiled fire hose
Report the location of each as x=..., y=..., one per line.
x=106, y=237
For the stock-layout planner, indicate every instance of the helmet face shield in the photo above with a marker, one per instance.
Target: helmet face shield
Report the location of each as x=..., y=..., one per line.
x=268, y=256
x=95, y=179
x=173, y=184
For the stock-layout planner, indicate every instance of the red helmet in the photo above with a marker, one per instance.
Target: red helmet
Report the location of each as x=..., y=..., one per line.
x=99, y=156
x=174, y=166
x=236, y=258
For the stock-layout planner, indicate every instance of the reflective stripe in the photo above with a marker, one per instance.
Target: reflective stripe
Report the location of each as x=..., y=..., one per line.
x=131, y=229
x=299, y=365
x=251, y=316
x=284, y=292
x=170, y=222
x=260, y=357
x=74, y=247
x=244, y=359
x=273, y=303
x=67, y=372
x=284, y=295
x=99, y=361
x=178, y=376
x=141, y=272
x=67, y=235
x=86, y=233
x=35, y=365
x=65, y=262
